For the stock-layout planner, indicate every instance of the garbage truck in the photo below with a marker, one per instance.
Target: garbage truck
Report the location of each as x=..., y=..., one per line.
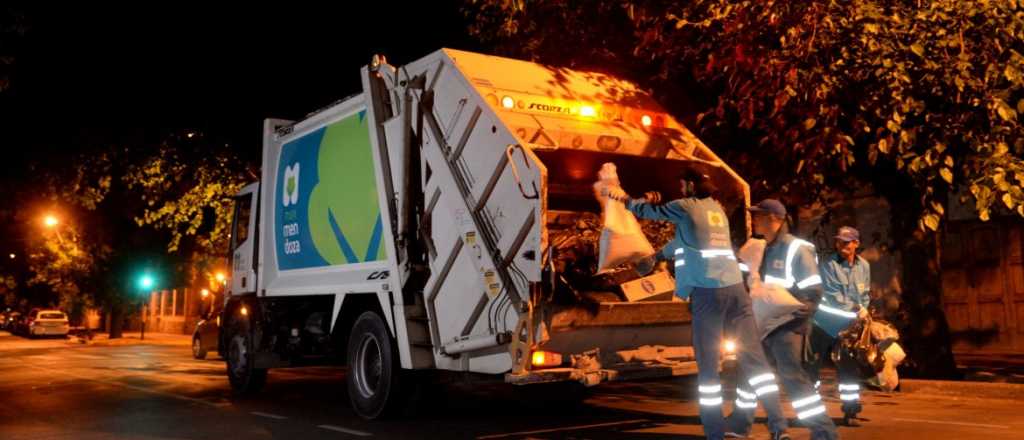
x=443, y=219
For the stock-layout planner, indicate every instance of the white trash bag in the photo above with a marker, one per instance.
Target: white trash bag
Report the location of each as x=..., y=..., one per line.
x=773, y=305
x=751, y=254
x=622, y=240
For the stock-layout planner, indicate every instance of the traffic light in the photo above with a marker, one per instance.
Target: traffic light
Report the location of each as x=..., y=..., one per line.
x=146, y=281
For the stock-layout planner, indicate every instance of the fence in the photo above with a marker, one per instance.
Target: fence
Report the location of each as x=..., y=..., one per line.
x=173, y=311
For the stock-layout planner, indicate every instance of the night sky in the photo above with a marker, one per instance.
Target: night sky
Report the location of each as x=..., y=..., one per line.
x=91, y=75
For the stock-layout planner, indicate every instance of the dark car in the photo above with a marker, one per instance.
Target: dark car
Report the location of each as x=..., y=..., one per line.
x=207, y=333
x=11, y=321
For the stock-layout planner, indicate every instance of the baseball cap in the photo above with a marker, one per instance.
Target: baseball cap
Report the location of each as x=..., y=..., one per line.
x=770, y=206
x=848, y=234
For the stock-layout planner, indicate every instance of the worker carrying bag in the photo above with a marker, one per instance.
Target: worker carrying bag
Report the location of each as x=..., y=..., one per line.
x=622, y=241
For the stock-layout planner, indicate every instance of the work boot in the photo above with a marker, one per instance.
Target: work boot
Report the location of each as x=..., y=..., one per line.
x=850, y=414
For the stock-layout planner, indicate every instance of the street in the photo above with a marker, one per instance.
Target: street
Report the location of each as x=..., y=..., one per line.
x=56, y=389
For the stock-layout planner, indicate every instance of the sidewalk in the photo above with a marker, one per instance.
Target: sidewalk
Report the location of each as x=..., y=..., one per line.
x=134, y=338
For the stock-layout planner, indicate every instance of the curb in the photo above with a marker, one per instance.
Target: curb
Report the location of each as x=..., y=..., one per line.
x=984, y=390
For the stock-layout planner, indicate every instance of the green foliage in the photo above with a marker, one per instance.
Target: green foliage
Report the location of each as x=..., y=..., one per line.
x=62, y=260
x=829, y=90
x=186, y=188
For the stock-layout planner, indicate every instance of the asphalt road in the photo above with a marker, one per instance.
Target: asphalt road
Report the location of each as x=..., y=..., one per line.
x=55, y=389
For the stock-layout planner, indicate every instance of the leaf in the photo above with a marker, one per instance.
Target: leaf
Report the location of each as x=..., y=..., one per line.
x=1020, y=106
x=917, y=49
x=947, y=175
x=938, y=208
x=883, y=146
x=1008, y=201
x=931, y=221
x=809, y=123
x=1005, y=111
x=983, y=215
x=1001, y=149
x=949, y=161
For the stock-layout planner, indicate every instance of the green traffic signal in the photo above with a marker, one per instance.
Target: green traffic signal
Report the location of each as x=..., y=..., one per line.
x=146, y=281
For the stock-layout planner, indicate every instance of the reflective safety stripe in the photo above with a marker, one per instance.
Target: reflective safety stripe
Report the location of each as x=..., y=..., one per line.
x=773, y=388
x=848, y=397
x=710, y=389
x=680, y=262
x=711, y=401
x=680, y=251
x=811, y=412
x=847, y=387
x=818, y=385
x=789, y=280
x=768, y=279
x=837, y=312
x=791, y=253
x=746, y=395
x=812, y=280
x=800, y=403
x=712, y=253
x=762, y=378
x=744, y=268
x=743, y=404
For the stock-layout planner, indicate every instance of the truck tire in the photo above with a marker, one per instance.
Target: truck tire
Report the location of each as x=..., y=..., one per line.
x=198, y=352
x=245, y=378
x=375, y=387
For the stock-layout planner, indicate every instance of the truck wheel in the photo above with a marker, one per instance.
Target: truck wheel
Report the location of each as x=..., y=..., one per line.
x=197, y=348
x=374, y=374
x=245, y=378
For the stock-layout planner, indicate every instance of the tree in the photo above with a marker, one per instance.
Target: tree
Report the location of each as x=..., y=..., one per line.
x=914, y=97
x=186, y=186
x=65, y=263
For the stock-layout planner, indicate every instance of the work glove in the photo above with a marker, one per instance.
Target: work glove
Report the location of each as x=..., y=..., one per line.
x=862, y=313
x=804, y=311
x=616, y=193
x=652, y=197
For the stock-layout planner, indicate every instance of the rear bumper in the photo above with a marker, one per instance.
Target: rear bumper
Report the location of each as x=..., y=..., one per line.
x=592, y=368
x=49, y=331
x=610, y=374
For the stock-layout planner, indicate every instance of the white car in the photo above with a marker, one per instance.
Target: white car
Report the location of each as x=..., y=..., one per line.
x=48, y=323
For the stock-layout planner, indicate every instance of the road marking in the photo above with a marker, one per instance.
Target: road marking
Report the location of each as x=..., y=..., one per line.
x=940, y=422
x=344, y=430
x=569, y=428
x=133, y=387
x=268, y=415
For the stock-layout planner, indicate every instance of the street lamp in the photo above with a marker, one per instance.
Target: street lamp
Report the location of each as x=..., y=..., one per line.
x=50, y=221
x=220, y=277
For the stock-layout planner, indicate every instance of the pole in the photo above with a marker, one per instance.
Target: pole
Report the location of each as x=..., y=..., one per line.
x=142, y=336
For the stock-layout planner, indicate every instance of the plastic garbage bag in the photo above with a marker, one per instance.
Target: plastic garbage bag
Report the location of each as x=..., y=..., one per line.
x=888, y=378
x=622, y=241
x=773, y=306
x=751, y=254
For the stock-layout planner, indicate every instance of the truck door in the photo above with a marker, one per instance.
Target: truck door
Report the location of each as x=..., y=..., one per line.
x=243, y=241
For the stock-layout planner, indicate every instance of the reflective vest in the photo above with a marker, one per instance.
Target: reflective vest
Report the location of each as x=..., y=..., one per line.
x=701, y=251
x=845, y=287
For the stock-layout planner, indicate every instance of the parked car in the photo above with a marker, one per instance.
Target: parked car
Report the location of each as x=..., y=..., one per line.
x=47, y=323
x=10, y=321
x=207, y=333
x=22, y=324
